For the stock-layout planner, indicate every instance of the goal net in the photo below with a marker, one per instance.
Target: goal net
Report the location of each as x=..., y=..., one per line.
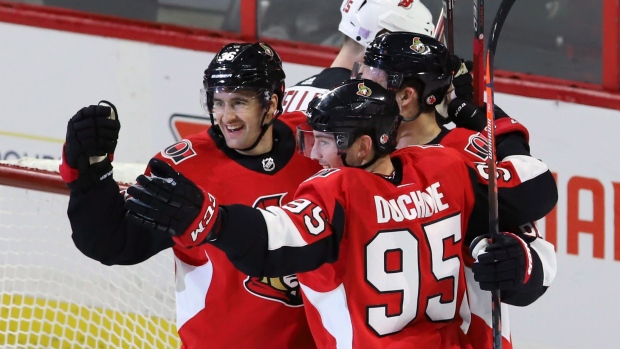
x=52, y=296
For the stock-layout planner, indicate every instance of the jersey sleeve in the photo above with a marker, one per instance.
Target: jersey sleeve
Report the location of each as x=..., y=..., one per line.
x=526, y=188
x=100, y=231
x=296, y=237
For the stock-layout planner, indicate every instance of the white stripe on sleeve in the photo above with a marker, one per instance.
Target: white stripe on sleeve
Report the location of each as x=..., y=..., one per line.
x=281, y=229
x=527, y=167
x=334, y=312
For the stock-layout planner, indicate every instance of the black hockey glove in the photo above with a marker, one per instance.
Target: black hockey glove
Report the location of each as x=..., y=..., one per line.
x=462, y=81
x=466, y=114
x=507, y=264
x=92, y=135
x=169, y=202
x=461, y=88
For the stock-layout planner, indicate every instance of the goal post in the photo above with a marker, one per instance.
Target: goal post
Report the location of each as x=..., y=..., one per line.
x=52, y=296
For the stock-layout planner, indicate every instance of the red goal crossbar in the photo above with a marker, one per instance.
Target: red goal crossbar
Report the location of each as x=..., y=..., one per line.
x=36, y=179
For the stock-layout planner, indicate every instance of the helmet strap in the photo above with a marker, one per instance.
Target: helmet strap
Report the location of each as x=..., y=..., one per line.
x=364, y=166
x=264, y=129
x=415, y=117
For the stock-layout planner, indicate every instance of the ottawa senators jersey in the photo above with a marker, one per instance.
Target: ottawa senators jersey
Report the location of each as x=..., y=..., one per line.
x=217, y=305
x=298, y=96
x=473, y=145
x=380, y=263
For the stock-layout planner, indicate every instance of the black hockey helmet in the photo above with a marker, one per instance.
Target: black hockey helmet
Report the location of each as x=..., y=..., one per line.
x=354, y=108
x=245, y=66
x=402, y=55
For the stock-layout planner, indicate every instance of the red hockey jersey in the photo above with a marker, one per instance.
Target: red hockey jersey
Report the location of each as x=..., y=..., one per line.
x=473, y=145
x=381, y=263
x=217, y=305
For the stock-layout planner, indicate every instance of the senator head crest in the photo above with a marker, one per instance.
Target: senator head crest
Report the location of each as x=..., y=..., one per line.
x=363, y=90
x=417, y=45
x=267, y=49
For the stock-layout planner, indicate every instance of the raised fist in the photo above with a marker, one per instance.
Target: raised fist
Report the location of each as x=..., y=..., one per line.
x=463, y=81
x=92, y=131
x=461, y=88
x=92, y=135
x=466, y=114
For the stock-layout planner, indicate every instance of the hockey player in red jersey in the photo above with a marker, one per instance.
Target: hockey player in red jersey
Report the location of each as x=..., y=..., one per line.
x=417, y=68
x=249, y=156
x=361, y=21
x=378, y=242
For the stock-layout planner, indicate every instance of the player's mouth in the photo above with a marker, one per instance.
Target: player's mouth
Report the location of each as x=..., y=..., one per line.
x=234, y=129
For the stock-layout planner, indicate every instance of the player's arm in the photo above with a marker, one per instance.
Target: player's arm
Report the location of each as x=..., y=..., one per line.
x=521, y=265
x=527, y=191
x=278, y=241
x=95, y=211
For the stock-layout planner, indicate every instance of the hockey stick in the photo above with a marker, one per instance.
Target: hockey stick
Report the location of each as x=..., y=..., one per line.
x=446, y=19
x=498, y=22
x=439, y=27
x=449, y=4
x=478, y=52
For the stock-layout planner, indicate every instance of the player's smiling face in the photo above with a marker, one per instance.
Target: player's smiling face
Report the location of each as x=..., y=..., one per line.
x=325, y=150
x=240, y=115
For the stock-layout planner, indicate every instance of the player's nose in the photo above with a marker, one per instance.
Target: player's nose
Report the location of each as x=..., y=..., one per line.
x=315, y=154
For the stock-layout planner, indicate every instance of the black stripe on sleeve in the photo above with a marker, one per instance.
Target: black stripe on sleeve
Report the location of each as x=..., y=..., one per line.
x=244, y=239
x=527, y=202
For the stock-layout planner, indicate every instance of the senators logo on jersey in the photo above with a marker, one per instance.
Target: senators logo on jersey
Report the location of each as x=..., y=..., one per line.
x=281, y=289
x=179, y=152
x=269, y=200
x=477, y=146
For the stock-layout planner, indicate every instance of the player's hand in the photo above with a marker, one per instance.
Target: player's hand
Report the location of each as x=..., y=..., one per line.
x=92, y=135
x=462, y=82
x=466, y=114
x=461, y=87
x=169, y=202
x=505, y=264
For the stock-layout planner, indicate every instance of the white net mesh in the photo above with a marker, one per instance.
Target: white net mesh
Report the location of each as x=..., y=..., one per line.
x=52, y=296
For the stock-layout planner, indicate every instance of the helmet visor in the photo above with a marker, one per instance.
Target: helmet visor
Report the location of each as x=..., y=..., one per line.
x=218, y=99
x=388, y=80
x=320, y=145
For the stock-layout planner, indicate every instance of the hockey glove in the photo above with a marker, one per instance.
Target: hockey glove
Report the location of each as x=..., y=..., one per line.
x=168, y=202
x=505, y=264
x=462, y=81
x=466, y=114
x=461, y=88
x=92, y=135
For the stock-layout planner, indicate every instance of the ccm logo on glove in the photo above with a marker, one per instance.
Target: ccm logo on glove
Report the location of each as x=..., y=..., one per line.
x=206, y=219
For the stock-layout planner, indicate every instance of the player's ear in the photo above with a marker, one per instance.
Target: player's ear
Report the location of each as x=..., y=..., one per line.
x=365, y=147
x=272, y=105
x=406, y=96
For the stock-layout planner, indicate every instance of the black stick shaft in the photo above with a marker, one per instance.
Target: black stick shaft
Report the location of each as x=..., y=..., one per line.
x=498, y=23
